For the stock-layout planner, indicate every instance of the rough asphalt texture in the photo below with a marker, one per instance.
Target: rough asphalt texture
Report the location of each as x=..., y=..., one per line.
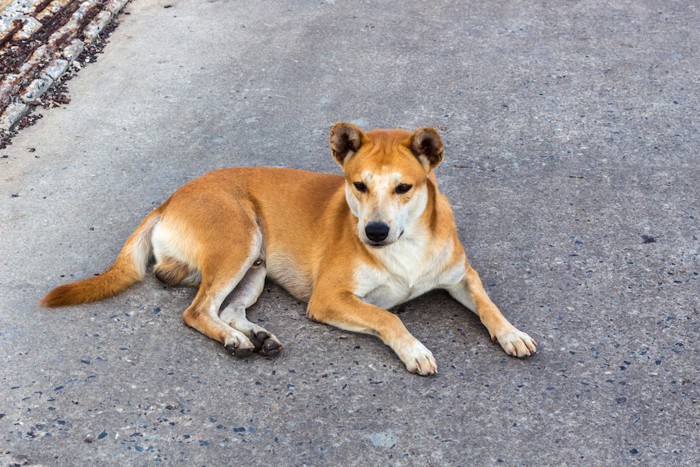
x=572, y=140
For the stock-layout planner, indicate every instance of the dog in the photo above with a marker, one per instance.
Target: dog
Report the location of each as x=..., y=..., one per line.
x=351, y=246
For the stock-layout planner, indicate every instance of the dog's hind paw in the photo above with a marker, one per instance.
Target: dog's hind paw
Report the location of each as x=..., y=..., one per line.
x=266, y=343
x=516, y=343
x=271, y=347
x=239, y=347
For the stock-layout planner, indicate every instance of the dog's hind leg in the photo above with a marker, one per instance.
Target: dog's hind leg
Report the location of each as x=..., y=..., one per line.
x=175, y=264
x=224, y=264
x=244, y=296
x=203, y=315
x=173, y=272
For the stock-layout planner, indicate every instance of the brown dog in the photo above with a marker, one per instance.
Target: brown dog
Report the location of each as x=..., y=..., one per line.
x=351, y=246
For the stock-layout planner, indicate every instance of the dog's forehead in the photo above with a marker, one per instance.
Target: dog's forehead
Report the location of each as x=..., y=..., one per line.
x=385, y=177
x=388, y=137
x=387, y=171
x=385, y=156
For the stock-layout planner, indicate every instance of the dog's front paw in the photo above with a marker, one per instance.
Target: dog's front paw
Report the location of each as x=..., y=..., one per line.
x=516, y=343
x=417, y=358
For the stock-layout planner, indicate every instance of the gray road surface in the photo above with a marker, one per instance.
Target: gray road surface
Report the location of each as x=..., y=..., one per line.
x=572, y=138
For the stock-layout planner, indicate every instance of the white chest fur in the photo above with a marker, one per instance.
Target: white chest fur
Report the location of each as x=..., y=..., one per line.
x=408, y=268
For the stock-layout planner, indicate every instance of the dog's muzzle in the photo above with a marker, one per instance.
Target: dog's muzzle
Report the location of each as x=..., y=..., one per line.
x=377, y=232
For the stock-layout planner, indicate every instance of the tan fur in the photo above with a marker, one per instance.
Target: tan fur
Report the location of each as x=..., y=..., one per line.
x=316, y=235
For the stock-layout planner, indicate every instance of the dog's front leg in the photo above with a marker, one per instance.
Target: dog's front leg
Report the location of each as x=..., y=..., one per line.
x=346, y=311
x=470, y=293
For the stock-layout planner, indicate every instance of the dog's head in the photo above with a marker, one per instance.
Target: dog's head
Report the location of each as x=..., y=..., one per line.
x=386, y=177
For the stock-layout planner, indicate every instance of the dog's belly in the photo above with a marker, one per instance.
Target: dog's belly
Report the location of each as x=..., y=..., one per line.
x=286, y=272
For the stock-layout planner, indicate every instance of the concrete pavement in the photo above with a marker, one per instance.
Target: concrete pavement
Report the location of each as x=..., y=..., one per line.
x=571, y=137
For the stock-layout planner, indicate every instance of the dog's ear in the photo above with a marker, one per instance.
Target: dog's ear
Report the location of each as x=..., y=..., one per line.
x=346, y=139
x=426, y=145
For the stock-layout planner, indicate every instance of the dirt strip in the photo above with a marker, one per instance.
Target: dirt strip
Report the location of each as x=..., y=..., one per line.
x=42, y=44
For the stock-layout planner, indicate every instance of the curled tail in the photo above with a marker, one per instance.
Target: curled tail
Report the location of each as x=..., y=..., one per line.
x=128, y=269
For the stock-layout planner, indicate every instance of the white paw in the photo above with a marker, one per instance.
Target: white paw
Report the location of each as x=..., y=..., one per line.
x=516, y=343
x=239, y=345
x=417, y=358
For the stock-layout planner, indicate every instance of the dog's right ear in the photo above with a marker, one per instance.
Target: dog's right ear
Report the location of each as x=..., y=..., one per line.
x=346, y=139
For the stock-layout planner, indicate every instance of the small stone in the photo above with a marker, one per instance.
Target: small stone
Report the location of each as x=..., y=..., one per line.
x=56, y=68
x=72, y=51
x=12, y=115
x=36, y=89
x=31, y=25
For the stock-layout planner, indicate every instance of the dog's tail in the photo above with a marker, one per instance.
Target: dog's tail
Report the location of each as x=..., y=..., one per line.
x=128, y=269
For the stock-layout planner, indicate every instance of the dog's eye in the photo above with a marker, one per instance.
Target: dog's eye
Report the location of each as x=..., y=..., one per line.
x=403, y=188
x=361, y=187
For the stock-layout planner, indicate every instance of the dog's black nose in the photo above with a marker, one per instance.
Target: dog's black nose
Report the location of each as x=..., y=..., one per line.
x=377, y=231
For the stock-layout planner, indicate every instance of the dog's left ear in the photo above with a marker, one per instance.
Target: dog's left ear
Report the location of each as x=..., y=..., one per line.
x=346, y=139
x=426, y=145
